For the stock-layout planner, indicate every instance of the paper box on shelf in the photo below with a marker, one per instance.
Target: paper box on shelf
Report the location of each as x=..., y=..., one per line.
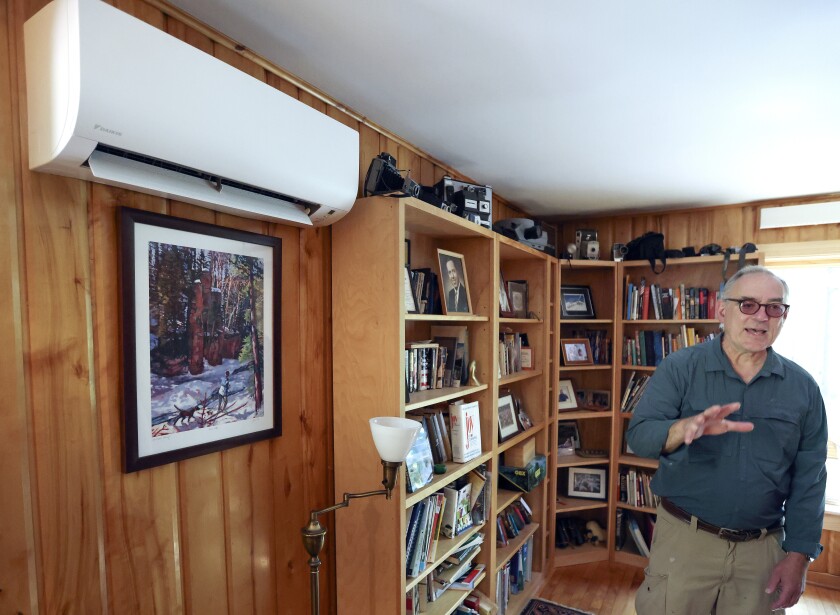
x=520, y=455
x=523, y=478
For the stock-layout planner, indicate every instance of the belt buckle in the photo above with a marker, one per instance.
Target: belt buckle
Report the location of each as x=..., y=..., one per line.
x=735, y=535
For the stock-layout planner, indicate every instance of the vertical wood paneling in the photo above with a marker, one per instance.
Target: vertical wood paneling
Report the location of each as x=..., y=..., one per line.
x=18, y=583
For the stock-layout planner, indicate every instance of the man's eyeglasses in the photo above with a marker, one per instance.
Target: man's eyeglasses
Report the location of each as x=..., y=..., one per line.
x=750, y=307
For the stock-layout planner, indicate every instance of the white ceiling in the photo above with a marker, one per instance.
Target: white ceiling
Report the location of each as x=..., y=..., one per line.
x=573, y=107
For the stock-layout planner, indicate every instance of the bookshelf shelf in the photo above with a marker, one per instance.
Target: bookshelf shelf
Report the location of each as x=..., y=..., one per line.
x=654, y=322
x=421, y=399
x=644, y=509
x=453, y=472
x=583, y=554
x=519, y=601
x=568, y=461
x=523, y=375
x=450, y=600
x=370, y=331
x=506, y=497
x=565, y=415
x=633, y=460
x=587, y=321
x=503, y=554
x=567, y=504
x=586, y=368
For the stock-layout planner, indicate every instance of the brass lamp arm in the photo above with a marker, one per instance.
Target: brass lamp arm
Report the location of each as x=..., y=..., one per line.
x=345, y=502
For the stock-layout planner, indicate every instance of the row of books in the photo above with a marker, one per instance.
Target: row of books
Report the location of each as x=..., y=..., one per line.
x=636, y=385
x=648, y=348
x=653, y=302
x=510, y=352
x=637, y=526
x=511, y=521
x=634, y=488
x=513, y=576
x=599, y=341
x=424, y=285
x=426, y=366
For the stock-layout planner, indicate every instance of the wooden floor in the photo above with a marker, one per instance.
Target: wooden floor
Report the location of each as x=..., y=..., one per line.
x=609, y=589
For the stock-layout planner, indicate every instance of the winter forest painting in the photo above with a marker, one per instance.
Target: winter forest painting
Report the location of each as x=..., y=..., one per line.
x=202, y=365
x=205, y=332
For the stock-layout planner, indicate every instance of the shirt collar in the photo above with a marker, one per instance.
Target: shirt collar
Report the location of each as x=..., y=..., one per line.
x=717, y=361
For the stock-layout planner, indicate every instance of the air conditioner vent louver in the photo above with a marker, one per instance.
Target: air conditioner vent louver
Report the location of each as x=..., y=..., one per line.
x=211, y=179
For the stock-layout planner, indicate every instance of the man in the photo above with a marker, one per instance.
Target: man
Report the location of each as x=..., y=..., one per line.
x=741, y=435
x=456, y=298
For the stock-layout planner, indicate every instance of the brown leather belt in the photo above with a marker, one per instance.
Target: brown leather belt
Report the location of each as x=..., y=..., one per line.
x=721, y=532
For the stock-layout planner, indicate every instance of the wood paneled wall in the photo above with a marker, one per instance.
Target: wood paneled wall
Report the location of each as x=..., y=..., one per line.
x=214, y=534
x=729, y=225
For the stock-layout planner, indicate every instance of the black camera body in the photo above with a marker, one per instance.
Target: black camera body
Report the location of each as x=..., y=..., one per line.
x=384, y=179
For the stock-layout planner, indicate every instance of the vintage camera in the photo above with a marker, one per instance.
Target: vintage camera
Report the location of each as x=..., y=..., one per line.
x=384, y=179
x=582, y=239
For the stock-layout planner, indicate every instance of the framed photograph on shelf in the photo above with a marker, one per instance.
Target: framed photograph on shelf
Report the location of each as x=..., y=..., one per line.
x=505, y=308
x=576, y=302
x=507, y=418
x=567, y=400
x=576, y=351
x=453, y=283
x=568, y=435
x=526, y=358
x=201, y=338
x=588, y=483
x=518, y=293
x=597, y=400
x=411, y=306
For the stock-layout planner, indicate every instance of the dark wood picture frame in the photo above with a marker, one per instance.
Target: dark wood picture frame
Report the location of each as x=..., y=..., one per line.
x=450, y=304
x=505, y=308
x=576, y=302
x=508, y=425
x=201, y=338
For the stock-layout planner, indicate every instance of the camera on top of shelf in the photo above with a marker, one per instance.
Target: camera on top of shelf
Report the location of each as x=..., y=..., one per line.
x=384, y=179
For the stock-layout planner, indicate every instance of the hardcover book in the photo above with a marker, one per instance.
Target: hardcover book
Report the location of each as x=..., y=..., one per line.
x=465, y=430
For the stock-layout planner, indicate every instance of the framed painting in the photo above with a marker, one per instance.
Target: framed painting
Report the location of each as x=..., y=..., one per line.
x=201, y=338
x=507, y=418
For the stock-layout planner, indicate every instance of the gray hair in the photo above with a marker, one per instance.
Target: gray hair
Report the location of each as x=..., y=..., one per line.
x=754, y=270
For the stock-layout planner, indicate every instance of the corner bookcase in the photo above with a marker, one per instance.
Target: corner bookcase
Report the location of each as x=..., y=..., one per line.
x=685, y=273
x=595, y=427
x=370, y=331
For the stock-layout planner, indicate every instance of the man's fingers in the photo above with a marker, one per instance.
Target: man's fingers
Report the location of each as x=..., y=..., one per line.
x=742, y=426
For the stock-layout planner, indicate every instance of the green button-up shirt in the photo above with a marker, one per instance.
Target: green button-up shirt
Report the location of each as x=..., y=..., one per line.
x=739, y=480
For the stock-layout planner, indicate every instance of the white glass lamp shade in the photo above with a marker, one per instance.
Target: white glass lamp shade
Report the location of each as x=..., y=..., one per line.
x=393, y=436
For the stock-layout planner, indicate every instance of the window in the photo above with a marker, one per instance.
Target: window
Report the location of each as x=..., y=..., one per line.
x=810, y=336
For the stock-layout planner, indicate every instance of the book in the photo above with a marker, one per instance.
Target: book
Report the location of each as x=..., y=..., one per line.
x=637, y=536
x=468, y=580
x=465, y=431
x=456, y=518
x=620, y=529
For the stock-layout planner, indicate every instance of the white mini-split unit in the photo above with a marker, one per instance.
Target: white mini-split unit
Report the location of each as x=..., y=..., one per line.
x=114, y=100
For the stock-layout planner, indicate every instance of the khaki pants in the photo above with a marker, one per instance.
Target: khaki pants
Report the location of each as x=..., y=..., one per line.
x=693, y=572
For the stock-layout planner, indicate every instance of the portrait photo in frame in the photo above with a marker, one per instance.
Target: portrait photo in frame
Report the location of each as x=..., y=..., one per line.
x=409, y=298
x=597, y=399
x=508, y=425
x=566, y=398
x=587, y=483
x=454, y=287
x=576, y=302
x=576, y=351
x=201, y=338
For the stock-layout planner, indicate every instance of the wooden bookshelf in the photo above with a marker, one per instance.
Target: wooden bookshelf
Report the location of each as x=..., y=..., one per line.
x=595, y=427
x=370, y=331
x=698, y=272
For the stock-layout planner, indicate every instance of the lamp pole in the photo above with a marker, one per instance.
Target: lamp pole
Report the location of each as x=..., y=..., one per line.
x=314, y=534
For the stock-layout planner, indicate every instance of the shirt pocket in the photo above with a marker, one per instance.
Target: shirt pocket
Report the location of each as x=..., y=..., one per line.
x=707, y=449
x=775, y=438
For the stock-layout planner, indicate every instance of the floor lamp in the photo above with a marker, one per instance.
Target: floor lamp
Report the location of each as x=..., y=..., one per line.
x=393, y=438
